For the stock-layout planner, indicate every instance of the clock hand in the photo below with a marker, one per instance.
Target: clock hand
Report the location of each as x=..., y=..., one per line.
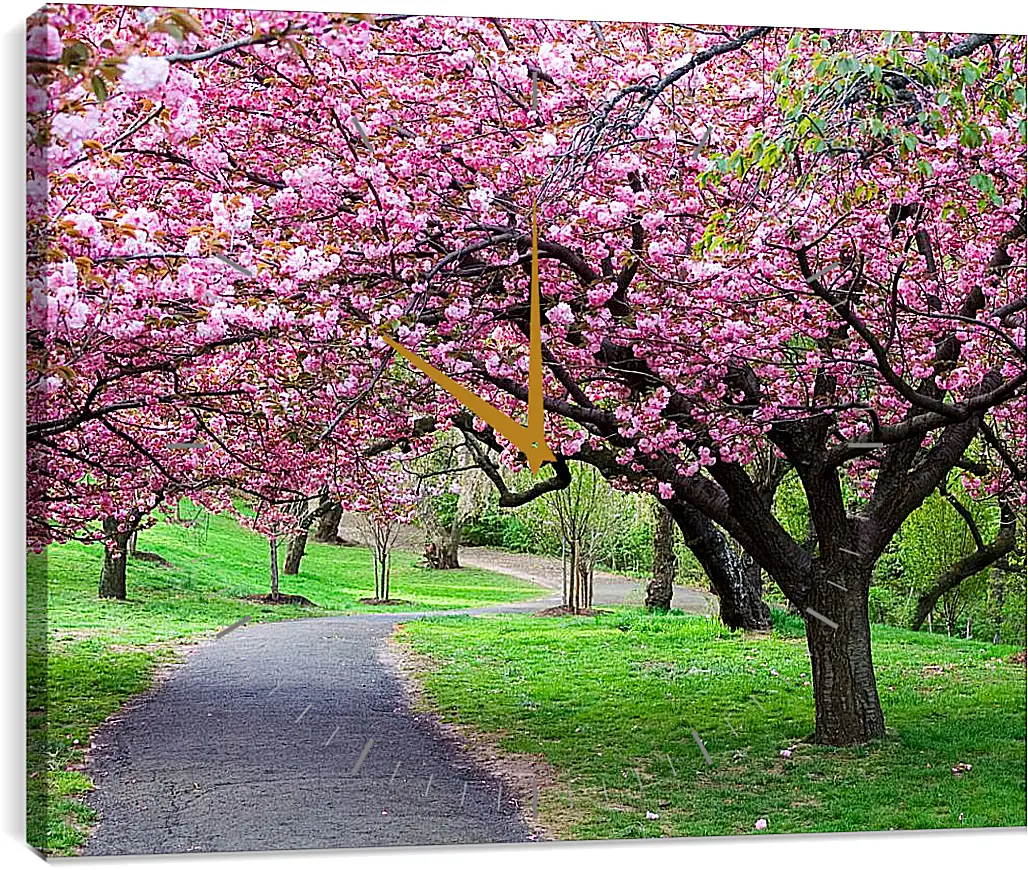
x=530, y=439
x=535, y=349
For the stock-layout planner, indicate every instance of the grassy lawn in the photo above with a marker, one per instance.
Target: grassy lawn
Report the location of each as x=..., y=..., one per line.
x=611, y=703
x=102, y=652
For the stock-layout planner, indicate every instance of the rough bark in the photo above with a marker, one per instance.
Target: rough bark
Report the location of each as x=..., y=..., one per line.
x=847, y=709
x=328, y=527
x=112, y=574
x=294, y=553
x=446, y=554
x=741, y=602
x=306, y=515
x=444, y=544
x=660, y=589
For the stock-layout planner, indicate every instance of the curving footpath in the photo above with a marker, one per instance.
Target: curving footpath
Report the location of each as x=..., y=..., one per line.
x=298, y=735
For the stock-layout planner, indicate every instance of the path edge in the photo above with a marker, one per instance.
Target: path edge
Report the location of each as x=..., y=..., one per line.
x=518, y=772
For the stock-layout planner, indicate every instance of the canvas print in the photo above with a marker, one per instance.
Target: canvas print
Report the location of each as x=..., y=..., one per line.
x=487, y=430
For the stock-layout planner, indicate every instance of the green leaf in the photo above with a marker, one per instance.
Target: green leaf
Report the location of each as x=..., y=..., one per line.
x=99, y=87
x=172, y=28
x=75, y=54
x=979, y=181
x=186, y=22
x=971, y=137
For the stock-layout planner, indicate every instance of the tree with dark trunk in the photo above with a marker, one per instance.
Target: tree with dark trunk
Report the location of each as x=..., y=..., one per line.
x=829, y=587
x=913, y=453
x=306, y=512
x=828, y=334
x=112, y=574
x=441, y=551
x=295, y=551
x=660, y=589
x=740, y=594
x=120, y=534
x=846, y=704
x=328, y=527
x=741, y=603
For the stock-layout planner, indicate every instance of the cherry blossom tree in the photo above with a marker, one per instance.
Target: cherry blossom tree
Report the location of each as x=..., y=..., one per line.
x=755, y=242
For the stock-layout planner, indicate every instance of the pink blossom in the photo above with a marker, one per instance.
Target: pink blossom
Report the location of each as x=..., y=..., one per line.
x=44, y=41
x=560, y=314
x=141, y=74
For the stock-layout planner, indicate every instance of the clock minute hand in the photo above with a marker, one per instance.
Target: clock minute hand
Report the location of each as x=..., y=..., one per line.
x=529, y=443
x=530, y=439
x=535, y=354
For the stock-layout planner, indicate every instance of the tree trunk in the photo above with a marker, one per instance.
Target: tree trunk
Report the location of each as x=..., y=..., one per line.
x=445, y=542
x=328, y=527
x=741, y=603
x=273, y=544
x=294, y=553
x=578, y=595
x=847, y=709
x=446, y=554
x=660, y=590
x=112, y=575
x=382, y=573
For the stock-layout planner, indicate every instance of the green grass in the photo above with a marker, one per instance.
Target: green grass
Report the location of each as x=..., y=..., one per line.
x=603, y=698
x=102, y=652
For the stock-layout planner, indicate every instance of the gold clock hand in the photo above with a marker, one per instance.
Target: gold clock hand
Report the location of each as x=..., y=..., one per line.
x=530, y=439
x=535, y=348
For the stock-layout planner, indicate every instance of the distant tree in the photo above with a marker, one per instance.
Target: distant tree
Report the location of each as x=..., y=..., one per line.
x=306, y=512
x=328, y=526
x=449, y=463
x=581, y=514
x=948, y=546
x=660, y=589
x=273, y=550
x=387, y=500
x=380, y=535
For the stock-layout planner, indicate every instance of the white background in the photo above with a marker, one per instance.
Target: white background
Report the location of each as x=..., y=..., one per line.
x=951, y=849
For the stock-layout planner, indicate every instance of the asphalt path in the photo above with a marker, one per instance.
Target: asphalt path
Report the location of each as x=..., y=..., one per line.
x=297, y=735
